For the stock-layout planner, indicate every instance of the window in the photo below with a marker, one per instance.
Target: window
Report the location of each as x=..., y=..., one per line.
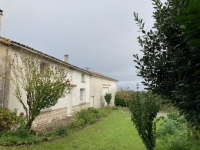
x=43, y=66
x=82, y=95
x=82, y=77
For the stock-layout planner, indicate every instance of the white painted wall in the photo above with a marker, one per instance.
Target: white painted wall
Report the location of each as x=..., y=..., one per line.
x=97, y=90
x=13, y=102
x=93, y=91
x=75, y=91
x=75, y=78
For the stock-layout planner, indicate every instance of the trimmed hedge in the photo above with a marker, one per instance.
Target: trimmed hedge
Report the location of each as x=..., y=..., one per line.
x=121, y=102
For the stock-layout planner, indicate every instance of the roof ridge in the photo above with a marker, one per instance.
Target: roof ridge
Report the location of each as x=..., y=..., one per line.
x=10, y=42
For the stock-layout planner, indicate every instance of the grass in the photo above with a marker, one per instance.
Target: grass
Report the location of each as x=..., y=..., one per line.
x=114, y=132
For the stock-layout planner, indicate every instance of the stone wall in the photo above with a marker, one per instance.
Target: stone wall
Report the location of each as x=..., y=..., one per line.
x=49, y=117
x=79, y=107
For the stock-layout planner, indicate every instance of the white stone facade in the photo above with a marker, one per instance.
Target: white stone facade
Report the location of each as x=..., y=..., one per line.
x=86, y=87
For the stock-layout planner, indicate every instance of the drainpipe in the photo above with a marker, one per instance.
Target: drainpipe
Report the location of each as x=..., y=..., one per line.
x=4, y=82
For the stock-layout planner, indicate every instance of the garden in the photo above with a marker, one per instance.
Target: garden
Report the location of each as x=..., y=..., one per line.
x=104, y=128
x=170, y=69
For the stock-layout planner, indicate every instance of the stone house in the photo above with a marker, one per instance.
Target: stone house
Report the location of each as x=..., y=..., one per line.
x=87, y=88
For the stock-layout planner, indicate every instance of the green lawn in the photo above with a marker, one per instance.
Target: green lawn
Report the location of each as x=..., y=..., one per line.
x=115, y=132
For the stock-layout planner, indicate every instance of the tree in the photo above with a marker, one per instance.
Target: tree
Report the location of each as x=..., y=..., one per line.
x=43, y=83
x=170, y=62
x=144, y=108
x=124, y=94
x=108, y=97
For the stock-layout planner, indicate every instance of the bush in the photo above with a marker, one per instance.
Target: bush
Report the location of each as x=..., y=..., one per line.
x=121, y=102
x=108, y=98
x=178, y=141
x=77, y=124
x=173, y=116
x=144, y=109
x=22, y=132
x=176, y=135
x=193, y=133
x=82, y=118
x=103, y=112
x=181, y=119
x=88, y=116
x=169, y=127
x=9, y=119
x=61, y=131
x=93, y=110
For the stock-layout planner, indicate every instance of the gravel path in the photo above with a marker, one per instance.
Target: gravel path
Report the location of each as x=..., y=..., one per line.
x=162, y=114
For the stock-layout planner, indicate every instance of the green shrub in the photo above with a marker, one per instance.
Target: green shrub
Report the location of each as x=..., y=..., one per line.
x=177, y=141
x=61, y=131
x=77, y=124
x=181, y=119
x=95, y=112
x=193, y=133
x=108, y=97
x=22, y=132
x=176, y=116
x=87, y=116
x=144, y=109
x=168, y=127
x=9, y=119
x=82, y=118
x=173, y=116
x=160, y=122
x=120, y=102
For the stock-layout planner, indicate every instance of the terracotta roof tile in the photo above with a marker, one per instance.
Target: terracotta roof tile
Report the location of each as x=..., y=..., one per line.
x=5, y=41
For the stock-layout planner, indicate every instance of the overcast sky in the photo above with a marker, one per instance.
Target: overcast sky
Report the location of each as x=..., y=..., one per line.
x=99, y=34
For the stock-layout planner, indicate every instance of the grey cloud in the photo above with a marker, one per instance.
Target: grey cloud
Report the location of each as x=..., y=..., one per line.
x=100, y=34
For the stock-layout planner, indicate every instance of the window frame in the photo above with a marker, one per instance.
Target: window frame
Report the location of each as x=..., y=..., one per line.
x=83, y=78
x=43, y=65
x=82, y=95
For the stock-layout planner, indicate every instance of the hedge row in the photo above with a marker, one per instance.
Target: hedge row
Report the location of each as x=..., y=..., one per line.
x=121, y=102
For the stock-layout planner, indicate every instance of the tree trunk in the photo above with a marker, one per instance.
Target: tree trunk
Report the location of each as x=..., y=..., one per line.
x=29, y=123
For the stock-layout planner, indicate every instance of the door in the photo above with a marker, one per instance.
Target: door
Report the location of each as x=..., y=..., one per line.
x=70, y=97
x=105, y=90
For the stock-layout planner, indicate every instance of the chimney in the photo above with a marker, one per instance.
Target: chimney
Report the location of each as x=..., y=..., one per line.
x=66, y=58
x=1, y=14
